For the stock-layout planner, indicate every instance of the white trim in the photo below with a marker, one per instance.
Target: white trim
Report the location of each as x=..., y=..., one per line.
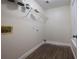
x=58, y=43
x=50, y=42
x=30, y=51
x=73, y=52
x=74, y=43
x=63, y=44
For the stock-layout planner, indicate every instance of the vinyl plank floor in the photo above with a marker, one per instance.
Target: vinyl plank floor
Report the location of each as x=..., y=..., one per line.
x=48, y=51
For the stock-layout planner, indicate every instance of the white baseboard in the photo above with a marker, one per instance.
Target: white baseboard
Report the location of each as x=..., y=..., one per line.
x=63, y=44
x=74, y=44
x=58, y=43
x=30, y=51
x=33, y=49
x=73, y=52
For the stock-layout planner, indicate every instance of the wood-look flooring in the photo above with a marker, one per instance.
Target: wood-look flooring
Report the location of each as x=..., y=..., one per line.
x=48, y=51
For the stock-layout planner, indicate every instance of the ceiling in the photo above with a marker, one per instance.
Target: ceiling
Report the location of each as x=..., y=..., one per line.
x=52, y=3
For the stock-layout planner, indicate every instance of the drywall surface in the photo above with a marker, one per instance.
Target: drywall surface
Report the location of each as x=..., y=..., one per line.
x=58, y=26
x=25, y=35
x=74, y=16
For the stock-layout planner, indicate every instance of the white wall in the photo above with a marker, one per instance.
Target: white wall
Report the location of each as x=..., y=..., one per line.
x=74, y=16
x=24, y=35
x=58, y=26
